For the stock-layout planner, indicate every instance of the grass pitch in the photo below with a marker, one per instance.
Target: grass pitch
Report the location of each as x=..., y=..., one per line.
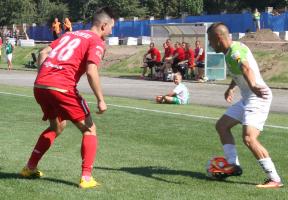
x=142, y=154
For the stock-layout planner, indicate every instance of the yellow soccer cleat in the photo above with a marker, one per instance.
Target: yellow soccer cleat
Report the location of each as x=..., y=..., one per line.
x=28, y=173
x=88, y=184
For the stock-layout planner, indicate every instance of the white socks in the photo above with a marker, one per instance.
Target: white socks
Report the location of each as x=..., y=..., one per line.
x=231, y=154
x=269, y=168
x=267, y=164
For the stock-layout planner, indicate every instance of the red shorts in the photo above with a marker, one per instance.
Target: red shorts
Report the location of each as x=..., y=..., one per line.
x=64, y=106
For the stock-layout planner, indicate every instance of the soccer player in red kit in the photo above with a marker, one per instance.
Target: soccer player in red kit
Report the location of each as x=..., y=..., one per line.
x=62, y=64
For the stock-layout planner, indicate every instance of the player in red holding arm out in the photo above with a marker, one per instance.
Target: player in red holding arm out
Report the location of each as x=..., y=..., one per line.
x=62, y=64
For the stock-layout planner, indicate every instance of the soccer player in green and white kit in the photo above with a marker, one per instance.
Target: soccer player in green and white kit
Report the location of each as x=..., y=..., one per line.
x=251, y=111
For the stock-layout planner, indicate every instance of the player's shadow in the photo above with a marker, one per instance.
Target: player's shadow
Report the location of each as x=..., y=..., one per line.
x=6, y=175
x=152, y=172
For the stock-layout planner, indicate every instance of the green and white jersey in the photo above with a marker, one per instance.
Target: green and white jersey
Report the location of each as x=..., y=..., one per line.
x=8, y=48
x=236, y=55
x=182, y=93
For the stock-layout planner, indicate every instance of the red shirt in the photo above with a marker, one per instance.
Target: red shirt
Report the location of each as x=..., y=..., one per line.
x=66, y=63
x=155, y=54
x=1, y=41
x=168, y=52
x=189, y=55
x=181, y=53
x=202, y=56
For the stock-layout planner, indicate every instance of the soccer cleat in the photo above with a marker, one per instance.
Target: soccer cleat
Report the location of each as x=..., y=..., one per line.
x=226, y=171
x=28, y=173
x=270, y=184
x=88, y=184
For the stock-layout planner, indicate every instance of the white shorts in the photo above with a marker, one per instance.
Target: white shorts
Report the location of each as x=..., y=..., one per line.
x=9, y=57
x=253, y=113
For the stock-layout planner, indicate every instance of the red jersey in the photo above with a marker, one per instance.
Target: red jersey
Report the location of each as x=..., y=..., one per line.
x=168, y=52
x=1, y=41
x=155, y=54
x=181, y=53
x=200, y=51
x=66, y=63
x=189, y=55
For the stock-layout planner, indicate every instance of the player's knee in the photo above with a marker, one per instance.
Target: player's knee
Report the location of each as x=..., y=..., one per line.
x=58, y=127
x=248, y=140
x=89, y=130
x=220, y=127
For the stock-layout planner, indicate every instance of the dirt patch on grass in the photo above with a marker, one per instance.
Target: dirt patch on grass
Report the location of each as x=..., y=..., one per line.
x=266, y=40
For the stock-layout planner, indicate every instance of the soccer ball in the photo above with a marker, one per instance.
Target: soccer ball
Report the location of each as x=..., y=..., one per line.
x=205, y=78
x=159, y=99
x=215, y=164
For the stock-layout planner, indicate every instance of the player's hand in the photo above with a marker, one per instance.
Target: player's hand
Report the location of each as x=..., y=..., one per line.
x=261, y=91
x=229, y=95
x=102, y=107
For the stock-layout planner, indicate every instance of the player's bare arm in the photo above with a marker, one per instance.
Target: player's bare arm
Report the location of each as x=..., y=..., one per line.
x=229, y=93
x=260, y=91
x=171, y=94
x=94, y=82
x=43, y=55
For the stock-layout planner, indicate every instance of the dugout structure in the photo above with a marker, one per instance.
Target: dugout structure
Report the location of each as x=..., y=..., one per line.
x=215, y=66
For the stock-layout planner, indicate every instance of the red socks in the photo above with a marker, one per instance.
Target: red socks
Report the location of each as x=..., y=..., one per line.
x=88, y=153
x=45, y=140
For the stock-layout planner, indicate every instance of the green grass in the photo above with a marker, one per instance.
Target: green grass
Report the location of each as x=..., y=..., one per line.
x=141, y=155
x=21, y=56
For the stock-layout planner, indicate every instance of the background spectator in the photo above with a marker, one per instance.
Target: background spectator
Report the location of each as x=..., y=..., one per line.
x=178, y=56
x=56, y=28
x=256, y=19
x=67, y=25
x=9, y=52
x=200, y=61
x=167, y=58
x=189, y=56
x=154, y=61
x=0, y=47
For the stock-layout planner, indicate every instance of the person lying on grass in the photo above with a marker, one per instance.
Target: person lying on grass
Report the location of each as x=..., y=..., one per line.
x=179, y=95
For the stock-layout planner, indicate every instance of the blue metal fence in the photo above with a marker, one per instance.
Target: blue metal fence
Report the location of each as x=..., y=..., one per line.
x=235, y=22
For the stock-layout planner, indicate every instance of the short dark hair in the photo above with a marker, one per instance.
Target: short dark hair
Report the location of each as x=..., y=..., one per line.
x=101, y=13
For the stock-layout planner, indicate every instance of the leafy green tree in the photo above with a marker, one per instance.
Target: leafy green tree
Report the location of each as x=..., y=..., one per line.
x=48, y=10
x=17, y=12
x=126, y=8
x=192, y=7
x=154, y=8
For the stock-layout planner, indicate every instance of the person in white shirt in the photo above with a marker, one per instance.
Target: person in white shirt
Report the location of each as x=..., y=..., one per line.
x=251, y=111
x=180, y=94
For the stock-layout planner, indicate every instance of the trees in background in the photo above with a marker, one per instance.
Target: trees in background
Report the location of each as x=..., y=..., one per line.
x=43, y=11
x=234, y=6
x=14, y=11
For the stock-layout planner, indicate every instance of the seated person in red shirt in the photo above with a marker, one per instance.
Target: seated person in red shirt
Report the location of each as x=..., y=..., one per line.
x=155, y=59
x=168, y=54
x=178, y=56
x=200, y=61
x=187, y=64
x=189, y=56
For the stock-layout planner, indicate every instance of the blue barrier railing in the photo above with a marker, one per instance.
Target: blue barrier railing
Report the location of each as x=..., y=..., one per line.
x=130, y=28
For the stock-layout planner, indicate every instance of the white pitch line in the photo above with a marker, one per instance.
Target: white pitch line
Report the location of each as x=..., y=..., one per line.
x=151, y=110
